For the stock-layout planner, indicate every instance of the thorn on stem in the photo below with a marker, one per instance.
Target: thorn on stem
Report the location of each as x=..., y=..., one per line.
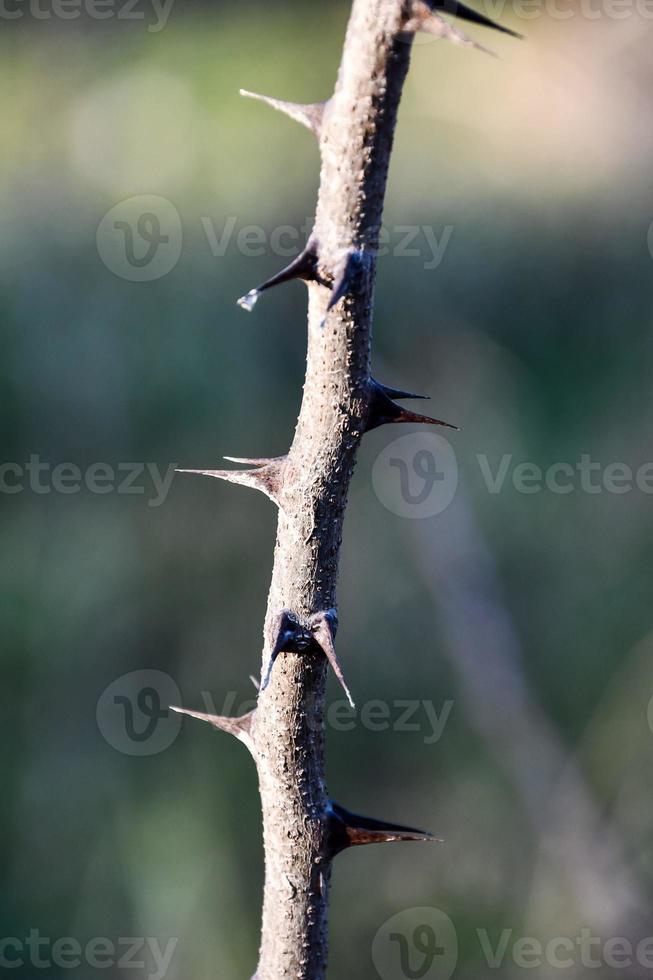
x=293, y=636
x=383, y=410
x=310, y=115
x=398, y=392
x=266, y=475
x=346, y=277
x=324, y=626
x=239, y=727
x=348, y=829
x=423, y=18
x=303, y=267
x=461, y=10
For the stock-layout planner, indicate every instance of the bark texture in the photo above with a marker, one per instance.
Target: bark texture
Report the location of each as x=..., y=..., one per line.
x=355, y=142
x=303, y=829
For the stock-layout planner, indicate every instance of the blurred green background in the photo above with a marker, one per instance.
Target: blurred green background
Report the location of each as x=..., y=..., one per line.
x=528, y=614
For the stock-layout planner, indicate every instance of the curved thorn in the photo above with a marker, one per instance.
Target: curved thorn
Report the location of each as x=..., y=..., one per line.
x=307, y=114
x=304, y=266
x=323, y=628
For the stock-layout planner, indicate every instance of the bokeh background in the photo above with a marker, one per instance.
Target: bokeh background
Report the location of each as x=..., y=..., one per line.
x=523, y=619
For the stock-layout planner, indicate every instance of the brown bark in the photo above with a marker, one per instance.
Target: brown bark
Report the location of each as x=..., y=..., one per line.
x=355, y=142
x=303, y=830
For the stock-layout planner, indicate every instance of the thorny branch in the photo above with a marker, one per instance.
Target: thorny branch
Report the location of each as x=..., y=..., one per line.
x=303, y=829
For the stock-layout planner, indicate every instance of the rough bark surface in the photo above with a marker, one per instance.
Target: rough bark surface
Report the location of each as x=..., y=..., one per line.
x=304, y=830
x=355, y=142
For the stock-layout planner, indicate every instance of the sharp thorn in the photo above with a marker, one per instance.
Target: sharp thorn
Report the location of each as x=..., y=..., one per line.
x=458, y=9
x=324, y=627
x=266, y=478
x=290, y=635
x=351, y=830
x=310, y=115
x=239, y=727
x=384, y=411
x=423, y=18
x=287, y=635
x=439, y=27
x=254, y=460
x=396, y=392
x=304, y=266
x=346, y=276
